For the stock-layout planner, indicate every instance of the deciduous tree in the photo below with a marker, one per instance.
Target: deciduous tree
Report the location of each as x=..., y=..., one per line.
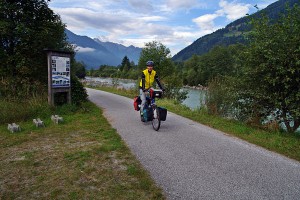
x=161, y=56
x=271, y=83
x=26, y=28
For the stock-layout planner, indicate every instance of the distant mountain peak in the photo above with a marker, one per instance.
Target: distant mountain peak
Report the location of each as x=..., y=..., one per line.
x=102, y=38
x=98, y=51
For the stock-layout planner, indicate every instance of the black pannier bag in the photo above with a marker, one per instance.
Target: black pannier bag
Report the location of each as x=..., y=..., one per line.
x=150, y=114
x=137, y=102
x=155, y=93
x=162, y=113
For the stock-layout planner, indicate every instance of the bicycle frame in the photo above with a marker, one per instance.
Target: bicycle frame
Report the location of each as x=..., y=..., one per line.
x=155, y=118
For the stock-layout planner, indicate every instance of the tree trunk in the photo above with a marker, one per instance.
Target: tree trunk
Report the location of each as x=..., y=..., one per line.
x=292, y=129
x=296, y=124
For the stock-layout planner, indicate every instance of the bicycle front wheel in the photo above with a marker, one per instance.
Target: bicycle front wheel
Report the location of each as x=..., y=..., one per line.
x=156, y=119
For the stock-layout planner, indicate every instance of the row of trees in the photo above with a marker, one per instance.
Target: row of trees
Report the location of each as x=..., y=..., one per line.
x=220, y=61
x=127, y=69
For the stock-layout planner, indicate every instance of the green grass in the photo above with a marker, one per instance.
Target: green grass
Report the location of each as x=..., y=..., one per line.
x=277, y=141
x=12, y=111
x=85, y=158
x=81, y=158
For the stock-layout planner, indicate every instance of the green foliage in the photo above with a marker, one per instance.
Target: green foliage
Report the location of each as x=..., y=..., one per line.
x=234, y=33
x=125, y=65
x=192, y=71
x=115, y=72
x=161, y=56
x=165, y=68
x=220, y=61
x=271, y=83
x=263, y=81
x=221, y=98
x=22, y=110
x=103, y=71
x=78, y=92
x=133, y=73
x=84, y=144
x=27, y=28
x=79, y=69
x=173, y=88
x=19, y=88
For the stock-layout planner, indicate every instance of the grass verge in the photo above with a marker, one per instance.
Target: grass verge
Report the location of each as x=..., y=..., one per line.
x=81, y=158
x=21, y=110
x=280, y=142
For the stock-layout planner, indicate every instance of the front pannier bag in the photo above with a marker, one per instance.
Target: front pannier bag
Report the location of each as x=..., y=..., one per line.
x=162, y=113
x=155, y=93
x=137, y=102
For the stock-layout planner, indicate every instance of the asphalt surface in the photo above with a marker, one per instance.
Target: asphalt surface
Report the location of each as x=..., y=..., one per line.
x=192, y=161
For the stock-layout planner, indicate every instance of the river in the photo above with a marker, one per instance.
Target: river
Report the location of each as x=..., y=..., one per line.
x=195, y=98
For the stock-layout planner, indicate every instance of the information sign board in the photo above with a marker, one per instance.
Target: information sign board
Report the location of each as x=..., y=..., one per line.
x=60, y=71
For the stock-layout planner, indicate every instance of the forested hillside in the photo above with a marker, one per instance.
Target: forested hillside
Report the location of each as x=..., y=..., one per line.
x=233, y=33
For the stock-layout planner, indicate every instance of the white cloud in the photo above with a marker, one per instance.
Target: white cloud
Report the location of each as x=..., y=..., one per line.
x=234, y=10
x=84, y=49
x=230, y=10
x=206, y=22
x=262, y=5
x=153, y=18
x=135, y=22
x=183, y=34
x=81, y=18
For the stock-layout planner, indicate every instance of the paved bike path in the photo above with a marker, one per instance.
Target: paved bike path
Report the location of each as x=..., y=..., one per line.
x=192, y=161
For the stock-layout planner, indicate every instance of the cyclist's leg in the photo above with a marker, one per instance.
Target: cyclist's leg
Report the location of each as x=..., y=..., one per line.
x=143, y=98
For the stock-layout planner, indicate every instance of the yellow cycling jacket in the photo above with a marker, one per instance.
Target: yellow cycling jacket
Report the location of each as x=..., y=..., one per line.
x=149, y=79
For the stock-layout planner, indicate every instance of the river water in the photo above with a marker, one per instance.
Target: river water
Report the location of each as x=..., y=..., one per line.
x=195, y=99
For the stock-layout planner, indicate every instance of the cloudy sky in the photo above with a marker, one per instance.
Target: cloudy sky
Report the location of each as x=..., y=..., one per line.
x=174, y=23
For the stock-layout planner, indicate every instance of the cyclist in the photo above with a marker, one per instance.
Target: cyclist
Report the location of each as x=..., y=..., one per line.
x=148, y=77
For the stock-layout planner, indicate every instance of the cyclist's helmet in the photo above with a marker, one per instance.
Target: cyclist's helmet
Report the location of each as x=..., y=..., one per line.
x=150, y=63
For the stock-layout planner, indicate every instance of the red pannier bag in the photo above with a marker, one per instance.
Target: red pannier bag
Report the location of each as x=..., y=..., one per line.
x=137, y=102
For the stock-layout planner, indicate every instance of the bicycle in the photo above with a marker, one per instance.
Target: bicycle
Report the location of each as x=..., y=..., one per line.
x=151, y=112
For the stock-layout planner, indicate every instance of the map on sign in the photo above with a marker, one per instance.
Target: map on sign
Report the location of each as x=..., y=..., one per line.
x=60, y=67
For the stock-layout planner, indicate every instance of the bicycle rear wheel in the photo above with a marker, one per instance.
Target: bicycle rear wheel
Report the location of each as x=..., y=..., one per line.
x=156, y=119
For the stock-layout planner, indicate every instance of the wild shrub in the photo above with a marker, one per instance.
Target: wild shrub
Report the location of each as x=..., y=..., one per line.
x=221, y=98
x=78, y=92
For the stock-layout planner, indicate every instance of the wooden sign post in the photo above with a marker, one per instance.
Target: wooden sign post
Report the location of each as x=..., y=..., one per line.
x=59, y=74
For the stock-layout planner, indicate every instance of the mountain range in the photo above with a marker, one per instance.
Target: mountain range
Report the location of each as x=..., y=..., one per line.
x=233, y=33
x=94, y=52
